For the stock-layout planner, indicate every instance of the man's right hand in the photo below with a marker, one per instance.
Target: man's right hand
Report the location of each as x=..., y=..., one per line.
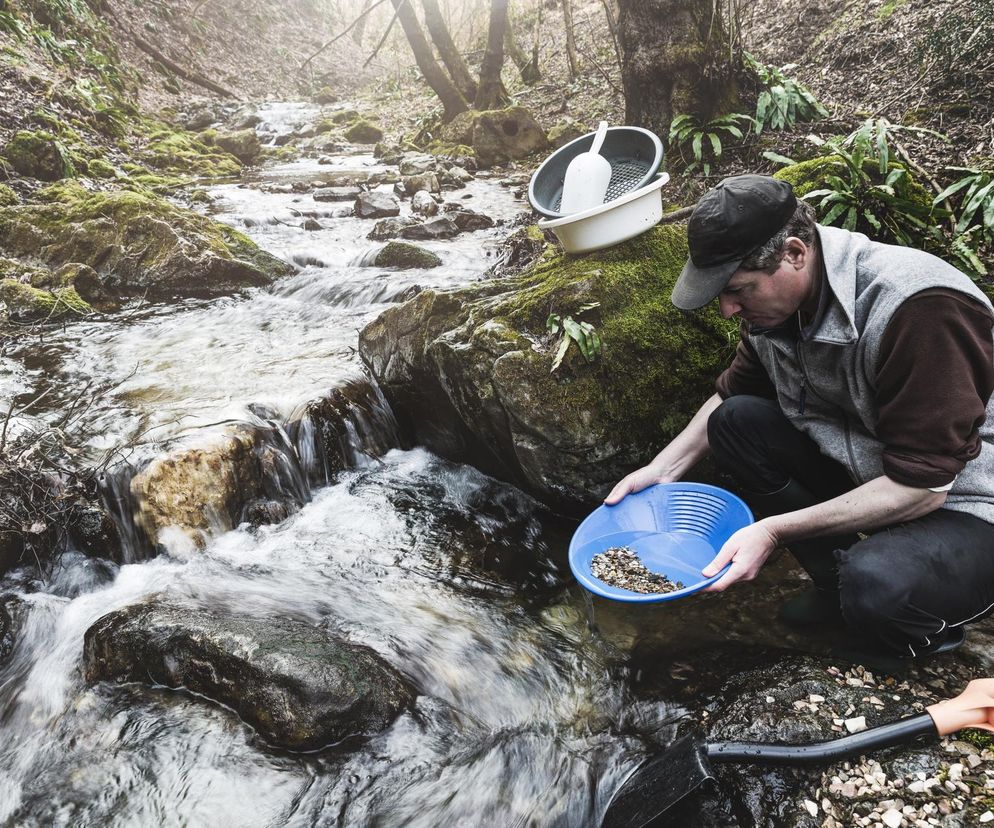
x=634, y=482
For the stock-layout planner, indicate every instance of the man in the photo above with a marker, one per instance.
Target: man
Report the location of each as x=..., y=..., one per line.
x=855, y=416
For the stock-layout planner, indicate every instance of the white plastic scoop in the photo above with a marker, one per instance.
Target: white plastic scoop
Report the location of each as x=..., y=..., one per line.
x=587, y=177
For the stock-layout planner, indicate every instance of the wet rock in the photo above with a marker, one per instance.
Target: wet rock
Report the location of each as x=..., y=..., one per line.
x=25, y=303
x=388, y=153
x=439, y=228
x=376, y=205
x=312, y=224
x=336, y=193
x=418, y=164
x=564, y=132
x=364, y=132
x=390, y=228
x=137, y=243
x=37, y=155
x=200, y=119
x=426, y=181
x=244, y=144
x=470, y=220
x=455, y=177
x=565, y=437
x=402, y=256
x=423, y=204
x=13, y=612
x=297, y=686
x=245, y=117
x=326, y=96
x=266, y=511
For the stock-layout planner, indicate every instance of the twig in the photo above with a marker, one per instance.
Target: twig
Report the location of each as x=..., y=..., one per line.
x=340, y=35
x=677, y=215
x=385, y=34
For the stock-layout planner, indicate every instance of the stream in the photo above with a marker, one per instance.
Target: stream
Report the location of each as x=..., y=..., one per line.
x=524, y=715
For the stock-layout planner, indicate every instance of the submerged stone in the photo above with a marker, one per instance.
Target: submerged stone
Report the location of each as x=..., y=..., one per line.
x=298, y=687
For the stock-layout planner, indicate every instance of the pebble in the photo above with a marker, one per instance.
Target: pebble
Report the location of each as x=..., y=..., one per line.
x=987, y=816
x=811, y=807
x=892, y=818
x=814, y=698
x=856, y=724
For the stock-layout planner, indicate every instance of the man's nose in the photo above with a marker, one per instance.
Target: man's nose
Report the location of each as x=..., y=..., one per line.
x=728, y=307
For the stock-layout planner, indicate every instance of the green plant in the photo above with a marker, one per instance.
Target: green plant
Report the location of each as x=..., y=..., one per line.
x=875, y=137
x=687, y=131
x=582, y=333
x=783, y=101
x=976, y=203
x=10, y=25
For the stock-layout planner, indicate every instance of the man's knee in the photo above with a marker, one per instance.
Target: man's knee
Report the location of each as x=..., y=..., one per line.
x=737, y=421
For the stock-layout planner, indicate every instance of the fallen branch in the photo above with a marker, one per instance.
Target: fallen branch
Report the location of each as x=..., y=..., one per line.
x=677, y=215
x=176, y=69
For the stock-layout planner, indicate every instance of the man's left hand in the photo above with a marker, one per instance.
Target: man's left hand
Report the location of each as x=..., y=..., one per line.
x=747, y=550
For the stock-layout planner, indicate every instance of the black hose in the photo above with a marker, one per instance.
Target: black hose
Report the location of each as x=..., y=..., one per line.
x=821, y=753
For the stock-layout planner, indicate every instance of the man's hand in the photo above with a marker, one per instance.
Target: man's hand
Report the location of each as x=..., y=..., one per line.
x=634, y=482
x=747, y=550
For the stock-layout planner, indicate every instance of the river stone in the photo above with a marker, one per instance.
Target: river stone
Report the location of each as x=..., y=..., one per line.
x=376, y=205
x=244, y=144
x=564, y=132
x=456, y=177
x=298, y=687
x=326, y=95
x=403, y=256
x=336, y=193
x=425, y=181
x=438, y=228
x=503, y=135
x=470, y=220
x=418, y=164
x=137, y=243
x=423, y=203
x=469, y=370
x=390, y=228
x=364, y=132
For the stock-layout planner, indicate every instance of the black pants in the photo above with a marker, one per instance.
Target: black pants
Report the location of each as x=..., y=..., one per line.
x=907, y=585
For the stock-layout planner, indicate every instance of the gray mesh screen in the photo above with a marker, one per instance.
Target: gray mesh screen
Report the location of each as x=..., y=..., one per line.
x=625, y=176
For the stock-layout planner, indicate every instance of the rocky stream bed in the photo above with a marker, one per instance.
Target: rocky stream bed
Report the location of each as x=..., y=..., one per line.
x=319, y=608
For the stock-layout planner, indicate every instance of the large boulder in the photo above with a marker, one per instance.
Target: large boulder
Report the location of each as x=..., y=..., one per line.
x=38, y=155
x=243, y=144
x=138, y=244
x=297, y=686
x=470, y=373
x=503, y=135
x=364, y=132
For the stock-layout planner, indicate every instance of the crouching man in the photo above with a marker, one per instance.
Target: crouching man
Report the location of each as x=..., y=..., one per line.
x=854, y=418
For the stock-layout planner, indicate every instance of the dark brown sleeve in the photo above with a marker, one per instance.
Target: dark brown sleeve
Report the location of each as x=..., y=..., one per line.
x=935, y=374
x=745, y=375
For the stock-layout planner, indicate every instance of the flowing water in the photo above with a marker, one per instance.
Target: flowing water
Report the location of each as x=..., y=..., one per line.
x=457, y=580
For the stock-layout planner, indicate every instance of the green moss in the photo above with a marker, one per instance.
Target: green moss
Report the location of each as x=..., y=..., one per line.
x=180, y=152
x=451, y=150
x=808, y=175
x=658, y=363
x=31, y=304
x=364, y=132
x=981, y=738
x=403, y=255
x=327, y=125
x=38, y=155
x=98, y=168
x=888, y=8
x=7, y=196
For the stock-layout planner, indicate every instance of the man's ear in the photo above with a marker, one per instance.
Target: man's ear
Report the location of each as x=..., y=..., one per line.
x=796, y=252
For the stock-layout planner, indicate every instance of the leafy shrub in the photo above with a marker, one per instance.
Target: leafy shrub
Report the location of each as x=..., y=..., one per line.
x=686, y=132
x=582, y=333
x=783, y=101
x=974, y=193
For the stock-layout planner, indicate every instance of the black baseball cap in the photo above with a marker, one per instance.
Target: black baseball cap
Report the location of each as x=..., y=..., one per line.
x=729, y=222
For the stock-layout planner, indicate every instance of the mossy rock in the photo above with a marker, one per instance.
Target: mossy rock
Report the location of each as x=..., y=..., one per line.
x=324, y=126
x=180, y=152
x=38, y=155
x=326, y=95
x=243, y=144
x=403, y=255
x=29, y=304
x=346, y=116
x=470, y=370
x=364, y=132
x=564, y=132
x=7, y=196
x=137, y=242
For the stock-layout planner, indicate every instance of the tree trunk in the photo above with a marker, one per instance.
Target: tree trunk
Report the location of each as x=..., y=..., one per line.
x=360, y=27
x=451, y=98
x=447, y=50
x=527, y=68
x=491, y=93
x=574, y=66
x=612, y=26
x=677, y=57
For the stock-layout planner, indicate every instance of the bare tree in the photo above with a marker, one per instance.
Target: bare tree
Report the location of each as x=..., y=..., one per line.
x=678, y=56
x=452, y=99
x=574, y=66
x=527, y=67
x=360, y=27
x=447, y=50
x=491, y=92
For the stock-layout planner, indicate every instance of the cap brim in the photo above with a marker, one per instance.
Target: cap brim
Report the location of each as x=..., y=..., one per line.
x=699, y=285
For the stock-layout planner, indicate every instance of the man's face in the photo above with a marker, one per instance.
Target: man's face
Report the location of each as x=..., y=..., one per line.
x=765, y=299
